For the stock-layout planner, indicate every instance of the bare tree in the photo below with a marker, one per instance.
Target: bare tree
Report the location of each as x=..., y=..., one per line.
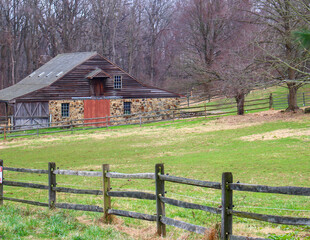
x=157, y=18
x=286, y=61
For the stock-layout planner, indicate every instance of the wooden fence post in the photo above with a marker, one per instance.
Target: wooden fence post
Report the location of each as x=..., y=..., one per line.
x=160, y=206
x=270, y=101
x=304, y=99
x=1, y=181
x=106, y=199
x=71, y=126
x=51, y=184
x=4, y=133
x=140, y=118
x=107, y=122
x=227, y=204
x=205, y=110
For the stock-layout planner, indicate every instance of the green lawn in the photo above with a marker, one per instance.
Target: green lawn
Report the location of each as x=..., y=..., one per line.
x=196, y=148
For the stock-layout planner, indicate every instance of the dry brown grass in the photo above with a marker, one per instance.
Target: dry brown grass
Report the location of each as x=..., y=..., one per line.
x=213, y=233
x=282, y=133
x=223, y=123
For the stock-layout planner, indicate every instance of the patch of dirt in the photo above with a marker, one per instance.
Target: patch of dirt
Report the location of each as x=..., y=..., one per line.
x=282, y=133
x=261, y=117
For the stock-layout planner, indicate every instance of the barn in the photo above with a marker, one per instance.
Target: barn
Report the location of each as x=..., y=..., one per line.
x=79, y=86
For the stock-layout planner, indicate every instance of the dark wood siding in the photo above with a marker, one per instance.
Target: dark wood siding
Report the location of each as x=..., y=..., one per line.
x=74, y=84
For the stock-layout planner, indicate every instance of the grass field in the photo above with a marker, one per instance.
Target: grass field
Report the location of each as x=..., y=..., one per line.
x=269, y=148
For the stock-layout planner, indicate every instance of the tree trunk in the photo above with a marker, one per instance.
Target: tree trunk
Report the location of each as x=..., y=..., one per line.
x=292, y=97
x=240, y=103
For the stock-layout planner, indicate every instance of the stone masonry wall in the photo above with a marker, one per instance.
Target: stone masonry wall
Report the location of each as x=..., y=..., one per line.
x=144, y=107
x=76, y=110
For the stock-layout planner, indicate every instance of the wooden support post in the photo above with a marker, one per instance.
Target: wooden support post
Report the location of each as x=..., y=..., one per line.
x=71, y=126
x=51, y=183
x=4, y=133
x=227, y=204
x=160, y=206
x=205, y=110
x=12, y=123
x=106, y=199
x=140, y=118
x=270, y=101
x=1, y=181
x=304, y=99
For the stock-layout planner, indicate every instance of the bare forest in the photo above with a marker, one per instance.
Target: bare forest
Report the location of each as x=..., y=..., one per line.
x=214, y=47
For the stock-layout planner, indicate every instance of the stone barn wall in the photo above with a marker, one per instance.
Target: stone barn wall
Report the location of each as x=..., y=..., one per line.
x=145, y=106
x=76, y=110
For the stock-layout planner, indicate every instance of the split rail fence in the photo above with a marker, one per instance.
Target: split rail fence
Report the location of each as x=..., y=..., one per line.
x=203, y=110
x=226, y=187
x=7, y=129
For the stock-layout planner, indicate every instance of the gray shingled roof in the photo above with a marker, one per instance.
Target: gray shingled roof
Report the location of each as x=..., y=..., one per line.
x=45, y=75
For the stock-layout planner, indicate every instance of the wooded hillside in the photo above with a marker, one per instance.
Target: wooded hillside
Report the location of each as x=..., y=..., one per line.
x=217, y=47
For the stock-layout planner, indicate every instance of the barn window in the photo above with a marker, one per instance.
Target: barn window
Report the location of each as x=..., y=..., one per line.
x=65, y=109
x=127, y=107
x=117, y=82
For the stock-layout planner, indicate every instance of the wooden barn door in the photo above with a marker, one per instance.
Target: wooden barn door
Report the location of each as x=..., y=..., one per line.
x=96, y=109
x=31, y=113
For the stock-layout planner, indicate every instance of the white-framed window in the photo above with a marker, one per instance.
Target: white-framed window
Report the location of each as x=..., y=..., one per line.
x=127, y=107
x=65, y=109
x=117, y=82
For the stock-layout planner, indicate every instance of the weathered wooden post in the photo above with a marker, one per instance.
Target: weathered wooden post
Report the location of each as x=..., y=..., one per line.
x=1, y=182
x=107, y=122
x=205, y=110
x=106, y=199
x=140, y=118
x=51, y=185
x=12, y=123
x=270, y=101
x=4, y=133
x=227, y=204
x=303, y=99
x=160, y=206
x=187, y=100
x=71, y=126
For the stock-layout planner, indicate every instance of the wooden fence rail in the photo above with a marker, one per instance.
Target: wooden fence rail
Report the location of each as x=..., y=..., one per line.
x=129, y=119
x=226, y=209
x=205, y=109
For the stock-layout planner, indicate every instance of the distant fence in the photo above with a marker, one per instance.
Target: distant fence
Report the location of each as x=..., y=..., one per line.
x=281, y=101
x=204, y=109
x=225, y=210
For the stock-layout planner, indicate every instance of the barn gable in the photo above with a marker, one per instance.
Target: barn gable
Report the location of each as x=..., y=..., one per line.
x=45, y=75
x=72, y=75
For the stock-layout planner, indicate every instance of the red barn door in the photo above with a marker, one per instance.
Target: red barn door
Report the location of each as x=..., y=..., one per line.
x=96, y=109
